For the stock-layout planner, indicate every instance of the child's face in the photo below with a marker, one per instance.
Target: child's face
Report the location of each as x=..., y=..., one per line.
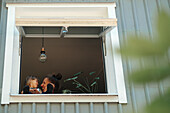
x=33, y=83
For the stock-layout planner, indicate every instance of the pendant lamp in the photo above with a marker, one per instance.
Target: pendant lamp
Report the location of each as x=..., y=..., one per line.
x=43, y=56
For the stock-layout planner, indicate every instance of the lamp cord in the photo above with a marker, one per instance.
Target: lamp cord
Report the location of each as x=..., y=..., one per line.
x=43, y=37
x=42, y=42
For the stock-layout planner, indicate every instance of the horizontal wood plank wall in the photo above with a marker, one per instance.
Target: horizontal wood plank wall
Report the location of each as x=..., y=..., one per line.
x=134, y=16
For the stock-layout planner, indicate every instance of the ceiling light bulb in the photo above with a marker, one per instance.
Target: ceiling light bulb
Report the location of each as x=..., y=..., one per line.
x=43, y=56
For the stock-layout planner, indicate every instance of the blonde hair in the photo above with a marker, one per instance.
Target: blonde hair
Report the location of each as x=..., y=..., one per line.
x=29, y=78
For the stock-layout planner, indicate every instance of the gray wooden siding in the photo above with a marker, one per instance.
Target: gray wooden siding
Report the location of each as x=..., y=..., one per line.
x=134, y=16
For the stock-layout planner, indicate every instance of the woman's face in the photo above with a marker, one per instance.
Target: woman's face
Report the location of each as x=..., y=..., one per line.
x=44, y=84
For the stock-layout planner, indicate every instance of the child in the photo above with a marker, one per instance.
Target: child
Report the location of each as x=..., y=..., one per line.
x=31, y=86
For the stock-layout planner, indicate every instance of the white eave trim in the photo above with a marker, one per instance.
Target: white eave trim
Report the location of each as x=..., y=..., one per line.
x=61, y=4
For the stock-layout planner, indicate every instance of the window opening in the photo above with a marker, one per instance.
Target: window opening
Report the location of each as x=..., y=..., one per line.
x=79, y=60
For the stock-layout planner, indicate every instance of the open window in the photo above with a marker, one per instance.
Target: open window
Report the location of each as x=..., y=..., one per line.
x=78, y=55
x=89, y=45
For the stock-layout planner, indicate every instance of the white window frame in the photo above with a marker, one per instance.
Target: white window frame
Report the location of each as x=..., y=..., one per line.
x=114, y=70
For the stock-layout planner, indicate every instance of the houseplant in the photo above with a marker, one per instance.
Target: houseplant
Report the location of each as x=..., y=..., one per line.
x=85, y=86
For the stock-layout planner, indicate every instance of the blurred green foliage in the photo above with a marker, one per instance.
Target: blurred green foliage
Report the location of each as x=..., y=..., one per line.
x=147, y=49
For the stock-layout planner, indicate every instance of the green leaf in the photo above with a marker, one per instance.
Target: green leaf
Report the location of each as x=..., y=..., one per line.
x=163, y=29
x=66, y=91
x=97, y=78
x=93, y=83
x=74, y=78
x=150, y=74
x=78, y=73
x=78, y=85
x=68, y=79
x=91, y=73
x=74, y=83
x=140, y=47
x=160, y=105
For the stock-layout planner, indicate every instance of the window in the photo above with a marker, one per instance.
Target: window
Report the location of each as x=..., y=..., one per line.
x=84, y=15
x=77, y=51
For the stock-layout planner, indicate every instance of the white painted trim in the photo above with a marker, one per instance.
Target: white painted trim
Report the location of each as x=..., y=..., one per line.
x=61, y=4
x=15, y=80
x=117, y=60
x=63, y=98
x=65, y=22
x=109, y=66
x=84, y=94
x=58, y=36
x=109, y=62
x=8, y=58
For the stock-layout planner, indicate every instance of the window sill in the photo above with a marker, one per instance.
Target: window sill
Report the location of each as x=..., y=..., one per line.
x=25, y=98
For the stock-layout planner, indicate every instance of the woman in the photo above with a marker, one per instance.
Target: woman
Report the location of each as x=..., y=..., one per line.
x=50, y=83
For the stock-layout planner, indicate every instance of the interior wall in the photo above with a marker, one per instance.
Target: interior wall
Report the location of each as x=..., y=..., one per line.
x=65, y=56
